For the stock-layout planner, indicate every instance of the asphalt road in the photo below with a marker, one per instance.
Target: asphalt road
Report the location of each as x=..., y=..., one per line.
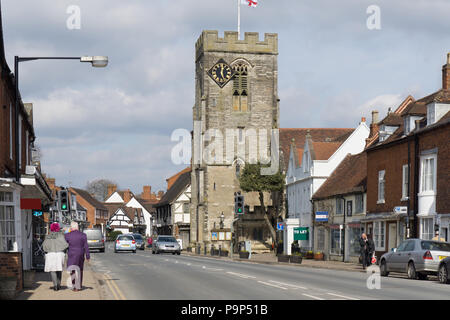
x=144, y=276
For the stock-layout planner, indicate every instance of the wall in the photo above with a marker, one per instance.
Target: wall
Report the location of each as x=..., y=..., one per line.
x=11, y=266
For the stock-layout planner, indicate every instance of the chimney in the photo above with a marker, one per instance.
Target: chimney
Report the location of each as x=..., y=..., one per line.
x=51, y=183
x=374, y=124
x=146, y=193
x=446, y=74
x=363, y=119
x=111, y=189
x=127, y=196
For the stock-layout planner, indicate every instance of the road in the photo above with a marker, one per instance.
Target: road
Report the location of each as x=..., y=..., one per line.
x=144, y=276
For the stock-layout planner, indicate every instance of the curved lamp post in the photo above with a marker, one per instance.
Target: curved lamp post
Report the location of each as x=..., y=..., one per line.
x=96, y=61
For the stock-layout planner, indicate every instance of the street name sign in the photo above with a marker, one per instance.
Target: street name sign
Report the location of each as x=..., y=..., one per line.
x=401, y=209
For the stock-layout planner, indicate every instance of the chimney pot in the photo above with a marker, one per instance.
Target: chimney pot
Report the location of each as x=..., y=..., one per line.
x=363, y=119
x=446, y=74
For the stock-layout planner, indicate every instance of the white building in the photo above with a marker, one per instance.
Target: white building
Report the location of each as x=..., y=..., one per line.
x=309, y=166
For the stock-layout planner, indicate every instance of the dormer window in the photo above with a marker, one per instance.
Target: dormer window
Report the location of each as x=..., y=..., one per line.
x=431, y=114
x=407, y=125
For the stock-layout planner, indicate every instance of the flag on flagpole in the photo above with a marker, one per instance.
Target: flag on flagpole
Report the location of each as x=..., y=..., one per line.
x=250, y=3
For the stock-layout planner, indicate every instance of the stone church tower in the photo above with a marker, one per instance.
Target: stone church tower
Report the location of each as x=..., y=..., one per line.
x=236, y=98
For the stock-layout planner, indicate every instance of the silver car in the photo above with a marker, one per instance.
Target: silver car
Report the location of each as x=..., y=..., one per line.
x=125, y=243
x=95, y=239
x=166, y=244
x=416, y=257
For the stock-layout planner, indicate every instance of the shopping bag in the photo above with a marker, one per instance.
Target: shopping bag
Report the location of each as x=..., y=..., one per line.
x=374, y=259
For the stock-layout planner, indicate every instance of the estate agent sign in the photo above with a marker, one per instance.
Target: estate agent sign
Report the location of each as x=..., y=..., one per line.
x=301, y=233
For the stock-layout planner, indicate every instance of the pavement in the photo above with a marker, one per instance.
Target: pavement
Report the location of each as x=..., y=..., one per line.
x=270, y=258
x=42, y=289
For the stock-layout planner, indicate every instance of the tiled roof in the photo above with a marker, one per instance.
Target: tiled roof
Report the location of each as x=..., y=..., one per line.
x=90, y=199
x=317, y=135
x=324, y=150
x=349, y=177
x=177, y=187
x=174, y=178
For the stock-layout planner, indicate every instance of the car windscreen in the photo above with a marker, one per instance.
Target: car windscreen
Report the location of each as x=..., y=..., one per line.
x=137, y=237
x=436, y=246
x=125, y=238
x=93, y=234
x=167, y=239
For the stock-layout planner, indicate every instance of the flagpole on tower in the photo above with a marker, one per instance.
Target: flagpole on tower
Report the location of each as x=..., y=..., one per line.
x=239, y=19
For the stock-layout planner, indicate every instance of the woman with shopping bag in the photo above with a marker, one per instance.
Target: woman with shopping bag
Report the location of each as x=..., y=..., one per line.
x=54, y=245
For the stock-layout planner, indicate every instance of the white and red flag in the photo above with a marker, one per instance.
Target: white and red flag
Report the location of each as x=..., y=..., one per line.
x=250, y=3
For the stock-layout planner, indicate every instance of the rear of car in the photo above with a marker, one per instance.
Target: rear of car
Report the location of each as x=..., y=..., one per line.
x=166, y=244
x=125, y=243
x=95, y=239
x=431, y=255
x=140, y=243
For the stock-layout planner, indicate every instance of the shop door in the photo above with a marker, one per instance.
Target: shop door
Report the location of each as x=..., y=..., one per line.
x=392, y=229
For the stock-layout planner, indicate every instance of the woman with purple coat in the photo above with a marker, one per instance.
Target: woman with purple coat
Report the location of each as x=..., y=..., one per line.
x=78, y=249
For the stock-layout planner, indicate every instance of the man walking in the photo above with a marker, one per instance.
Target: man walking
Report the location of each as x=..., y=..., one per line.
x=78, y=249
x=363, y=250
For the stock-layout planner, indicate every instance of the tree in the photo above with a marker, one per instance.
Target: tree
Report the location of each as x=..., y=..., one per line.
x=99, y=188
x=251, y=180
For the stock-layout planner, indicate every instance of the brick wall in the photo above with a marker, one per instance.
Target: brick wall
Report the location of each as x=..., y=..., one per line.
x=438, y=138
x=11, y=266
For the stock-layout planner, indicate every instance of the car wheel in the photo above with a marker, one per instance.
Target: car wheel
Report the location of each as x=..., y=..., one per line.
x=178, y=253
x=173, y=253
x=153, y=252
x=383, y=267
x=443, y=274
x=412, y=274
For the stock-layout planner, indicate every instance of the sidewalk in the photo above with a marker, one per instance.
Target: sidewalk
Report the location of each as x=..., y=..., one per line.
x=269, y=258
x=41, y=289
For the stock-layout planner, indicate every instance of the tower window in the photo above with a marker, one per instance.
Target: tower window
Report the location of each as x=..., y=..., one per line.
x=240, y=88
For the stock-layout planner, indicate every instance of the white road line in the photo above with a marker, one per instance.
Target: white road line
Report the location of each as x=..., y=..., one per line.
x=313, y=297
x=272, y=285
x=340, y=296
x=289, y=285
x=241, y=275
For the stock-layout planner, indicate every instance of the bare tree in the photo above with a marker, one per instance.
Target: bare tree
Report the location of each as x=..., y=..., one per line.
x=99, y=188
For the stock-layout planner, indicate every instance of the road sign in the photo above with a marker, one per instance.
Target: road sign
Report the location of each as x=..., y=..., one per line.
x=301, y=233
x=322, y=216
x=401, y=209
x=280, y=226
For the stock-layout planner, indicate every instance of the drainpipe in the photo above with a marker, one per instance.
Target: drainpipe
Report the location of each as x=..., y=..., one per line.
x=416, y=181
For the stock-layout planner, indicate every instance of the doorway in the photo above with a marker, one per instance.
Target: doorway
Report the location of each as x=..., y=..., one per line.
x=392, y=236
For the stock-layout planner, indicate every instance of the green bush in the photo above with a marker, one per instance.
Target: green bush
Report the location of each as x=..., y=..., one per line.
x=113, y=235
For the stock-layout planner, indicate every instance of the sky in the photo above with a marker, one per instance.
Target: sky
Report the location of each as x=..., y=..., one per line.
x=116, y=122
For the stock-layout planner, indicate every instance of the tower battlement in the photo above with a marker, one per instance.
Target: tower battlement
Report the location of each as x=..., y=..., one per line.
x=209, y=41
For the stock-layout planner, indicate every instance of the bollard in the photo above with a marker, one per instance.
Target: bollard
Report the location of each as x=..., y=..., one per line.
x=220, y=250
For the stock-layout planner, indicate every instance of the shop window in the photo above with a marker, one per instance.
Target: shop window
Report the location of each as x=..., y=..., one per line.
x=7, y=229
x=336, y=237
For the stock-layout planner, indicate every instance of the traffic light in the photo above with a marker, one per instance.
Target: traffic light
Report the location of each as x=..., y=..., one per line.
x=64, y=200
x=238, y=203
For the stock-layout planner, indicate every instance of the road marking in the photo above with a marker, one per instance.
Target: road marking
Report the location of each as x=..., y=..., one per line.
x=345, y=297
x=272, y=285
x=116, y=287
x=107, y=281
x=313, y=297
x=286, y=284
x=241, y=275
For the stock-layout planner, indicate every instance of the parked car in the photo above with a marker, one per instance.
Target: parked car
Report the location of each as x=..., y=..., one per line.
x=444, y=270
x=125, y=243
x=166, y=244
x=140, y=243
x=416, y=257
x=95, y=239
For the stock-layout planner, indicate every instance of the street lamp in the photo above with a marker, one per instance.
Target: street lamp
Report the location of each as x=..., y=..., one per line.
x=96, y=61
x=222, y=218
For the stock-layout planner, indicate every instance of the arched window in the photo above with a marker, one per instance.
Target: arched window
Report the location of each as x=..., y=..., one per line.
x=240, y=87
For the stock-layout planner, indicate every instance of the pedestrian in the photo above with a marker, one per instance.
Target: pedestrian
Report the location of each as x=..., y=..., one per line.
x=363, y=250
x=437, y=238
x=78, y=250
x=150, y=242
x=55, y=245
x=370, y=249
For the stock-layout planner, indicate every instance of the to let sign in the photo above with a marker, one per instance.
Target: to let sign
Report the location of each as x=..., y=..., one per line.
x=322, y=216
x=301, y=233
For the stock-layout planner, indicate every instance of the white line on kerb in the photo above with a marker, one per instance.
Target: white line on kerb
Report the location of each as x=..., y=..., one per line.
x=338, y=295
x=272, y=285
x=313, y=297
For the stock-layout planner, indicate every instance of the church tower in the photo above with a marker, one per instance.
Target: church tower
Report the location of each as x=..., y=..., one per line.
x=236, y=98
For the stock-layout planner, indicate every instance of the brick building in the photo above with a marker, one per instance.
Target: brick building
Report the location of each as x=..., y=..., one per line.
x=97, y=214
x=408, y=169
x=22, y=187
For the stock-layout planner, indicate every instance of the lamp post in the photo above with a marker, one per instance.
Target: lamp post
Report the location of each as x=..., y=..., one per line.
x=96, y=61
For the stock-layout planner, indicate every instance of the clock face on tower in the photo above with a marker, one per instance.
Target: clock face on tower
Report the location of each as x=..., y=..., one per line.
x=221, y=73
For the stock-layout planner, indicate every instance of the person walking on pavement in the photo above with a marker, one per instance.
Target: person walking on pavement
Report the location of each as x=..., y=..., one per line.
x=363, y=250
x=55, y=245
x=370, y=249
x=150, y=242
x=78, y=249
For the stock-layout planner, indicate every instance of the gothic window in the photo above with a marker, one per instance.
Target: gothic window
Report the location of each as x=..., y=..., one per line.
x=240, y=88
